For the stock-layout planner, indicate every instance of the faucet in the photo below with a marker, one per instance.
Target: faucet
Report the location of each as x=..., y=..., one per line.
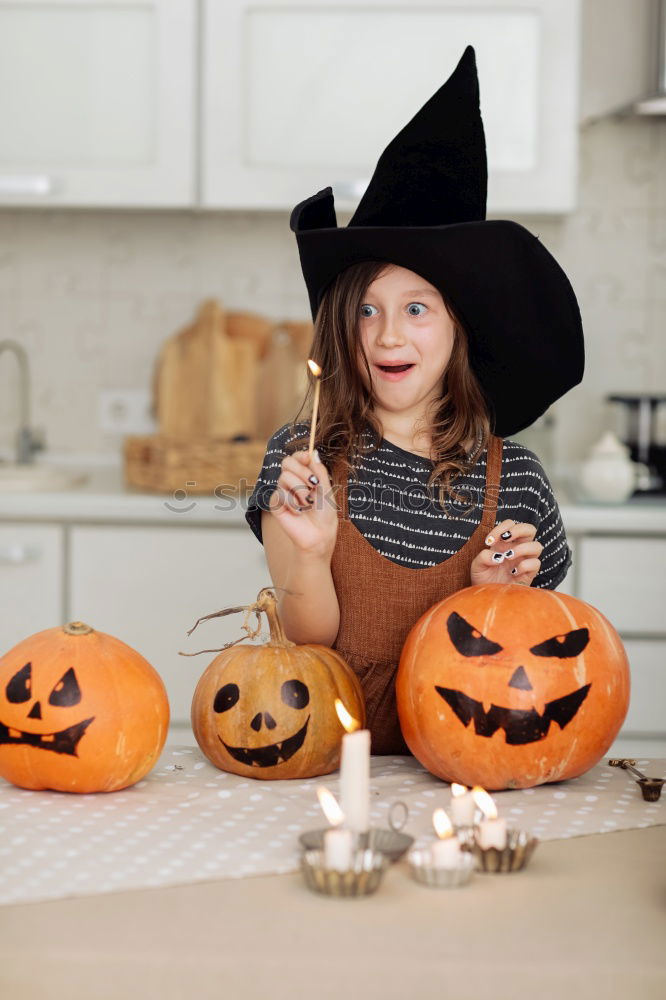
x=28, y=441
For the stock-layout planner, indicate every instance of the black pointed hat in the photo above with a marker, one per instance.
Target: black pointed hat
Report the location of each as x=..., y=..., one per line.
x=425, y=209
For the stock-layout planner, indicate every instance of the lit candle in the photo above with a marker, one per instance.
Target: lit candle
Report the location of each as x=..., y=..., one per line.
x=462, y=805
x=338, y=844
x=354, y=772
x=316, y=371
x=491, y=831
x=338, y=849
x=330, y=806
x=445, y=852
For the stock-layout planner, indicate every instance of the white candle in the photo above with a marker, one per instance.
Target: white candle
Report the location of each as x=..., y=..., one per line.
x=354, y=773
x=462, y=806
x=491, y=831
x=338, y=849
x=355, y=780
x=444, y=852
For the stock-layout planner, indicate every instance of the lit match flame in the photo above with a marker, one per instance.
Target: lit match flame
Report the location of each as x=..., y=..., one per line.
x=442, y=824
x=484, y=802
x=330, y=806
x=348, y=721
x=457, y=790
x=314, y=367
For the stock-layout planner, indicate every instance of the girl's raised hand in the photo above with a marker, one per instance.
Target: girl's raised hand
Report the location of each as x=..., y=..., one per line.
x=304, y=504
x=511, y=555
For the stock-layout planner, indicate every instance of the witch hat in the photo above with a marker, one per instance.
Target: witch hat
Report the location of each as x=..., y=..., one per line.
x=424, y=209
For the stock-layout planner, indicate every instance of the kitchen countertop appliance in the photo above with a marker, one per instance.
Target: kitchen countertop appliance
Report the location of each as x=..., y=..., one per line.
x=637, y=429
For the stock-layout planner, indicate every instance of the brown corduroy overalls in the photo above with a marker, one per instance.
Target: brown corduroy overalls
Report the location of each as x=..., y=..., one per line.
x=380, y=601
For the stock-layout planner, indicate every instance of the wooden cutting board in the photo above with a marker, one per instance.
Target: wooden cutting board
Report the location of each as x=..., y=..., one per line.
x=205, y=381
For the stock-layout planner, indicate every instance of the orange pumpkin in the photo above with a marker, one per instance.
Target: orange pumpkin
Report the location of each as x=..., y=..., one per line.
x=508, y=686
x=268, y=711
x=80, y=711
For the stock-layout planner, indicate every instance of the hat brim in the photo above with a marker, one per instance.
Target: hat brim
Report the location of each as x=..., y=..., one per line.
x=526, y=336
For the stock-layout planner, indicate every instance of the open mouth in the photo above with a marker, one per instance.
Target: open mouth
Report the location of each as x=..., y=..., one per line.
x=394, y=368
x=269, y=756
x=519, y=726
x=66, y=741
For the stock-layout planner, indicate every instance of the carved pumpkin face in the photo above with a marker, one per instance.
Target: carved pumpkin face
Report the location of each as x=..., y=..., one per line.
x=508, y=686
x=269, y=711
x=80, y=711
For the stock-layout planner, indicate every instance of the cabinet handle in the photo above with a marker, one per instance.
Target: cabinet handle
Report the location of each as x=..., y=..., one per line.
x=15, y=554
x=37, y=184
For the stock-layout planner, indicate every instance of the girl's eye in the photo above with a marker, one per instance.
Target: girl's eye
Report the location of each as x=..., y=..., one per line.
x=419, y=305
x=366, y=314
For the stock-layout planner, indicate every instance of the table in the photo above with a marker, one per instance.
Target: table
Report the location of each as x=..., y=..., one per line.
x=587, y=913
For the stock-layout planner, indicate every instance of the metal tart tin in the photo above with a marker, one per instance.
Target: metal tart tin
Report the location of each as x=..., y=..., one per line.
x=361, y=879
x=422, y=870
x=519, y=849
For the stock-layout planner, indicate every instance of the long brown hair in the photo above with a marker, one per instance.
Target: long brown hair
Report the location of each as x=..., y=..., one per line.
x=346, y=406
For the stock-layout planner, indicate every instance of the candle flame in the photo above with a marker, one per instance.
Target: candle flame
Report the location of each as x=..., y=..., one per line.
x=484, y=802
x=330, y=806
x=442, y=824
x=457, y=789
x=314, y=368
x=348, y=721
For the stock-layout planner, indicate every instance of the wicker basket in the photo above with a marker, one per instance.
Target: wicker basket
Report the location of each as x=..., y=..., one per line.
x=160, y=464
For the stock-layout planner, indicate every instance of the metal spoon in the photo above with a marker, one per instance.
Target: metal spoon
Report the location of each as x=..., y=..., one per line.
x=650, y=787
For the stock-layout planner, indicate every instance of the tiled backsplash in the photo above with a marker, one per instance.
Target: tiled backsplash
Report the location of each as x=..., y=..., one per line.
x=93, y=294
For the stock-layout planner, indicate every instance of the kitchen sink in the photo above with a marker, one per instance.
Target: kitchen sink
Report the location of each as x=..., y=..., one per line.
x=25, y=478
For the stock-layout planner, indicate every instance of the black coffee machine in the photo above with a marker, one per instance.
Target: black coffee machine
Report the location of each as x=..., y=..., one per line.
x=638, y=431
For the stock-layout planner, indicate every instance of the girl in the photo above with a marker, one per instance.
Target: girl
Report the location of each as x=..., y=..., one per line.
x=413, y=492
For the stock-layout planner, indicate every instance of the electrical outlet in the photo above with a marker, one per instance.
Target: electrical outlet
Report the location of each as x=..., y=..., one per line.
x=125, y=411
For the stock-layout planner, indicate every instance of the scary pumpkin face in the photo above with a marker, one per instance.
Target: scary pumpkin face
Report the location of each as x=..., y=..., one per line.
x=269, y=711
x=80, y=711
x=507, y=686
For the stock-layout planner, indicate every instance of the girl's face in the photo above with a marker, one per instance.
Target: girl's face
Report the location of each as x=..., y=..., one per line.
x=403, y=320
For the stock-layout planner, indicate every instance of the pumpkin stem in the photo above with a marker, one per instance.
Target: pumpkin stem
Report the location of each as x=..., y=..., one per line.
x=77, y=628
x=266, y=602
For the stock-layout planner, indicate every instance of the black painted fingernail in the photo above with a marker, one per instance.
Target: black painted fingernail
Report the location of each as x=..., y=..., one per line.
x=514, y=571
x=498, y=557
x=509, y=554
x=505, y=534
x=313, y=480
x=309, y=499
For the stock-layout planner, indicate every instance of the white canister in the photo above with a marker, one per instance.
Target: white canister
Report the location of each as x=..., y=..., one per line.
x=608, y=475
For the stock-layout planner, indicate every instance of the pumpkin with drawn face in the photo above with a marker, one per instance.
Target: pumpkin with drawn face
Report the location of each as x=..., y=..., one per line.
x=508, y=686
x=80, y=711
x=268, y=711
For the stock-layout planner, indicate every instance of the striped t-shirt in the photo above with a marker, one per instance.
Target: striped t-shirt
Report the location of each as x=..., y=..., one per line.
x=406, y=523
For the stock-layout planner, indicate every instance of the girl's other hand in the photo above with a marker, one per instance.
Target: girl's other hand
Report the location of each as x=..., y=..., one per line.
x=304, y=505
x=511, y=555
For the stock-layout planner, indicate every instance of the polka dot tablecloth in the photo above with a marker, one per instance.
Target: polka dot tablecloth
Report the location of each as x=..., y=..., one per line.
x=187, y=822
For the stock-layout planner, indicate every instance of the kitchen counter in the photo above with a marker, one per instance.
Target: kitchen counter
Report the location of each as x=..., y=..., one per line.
x=586, y=914
x=105, y=497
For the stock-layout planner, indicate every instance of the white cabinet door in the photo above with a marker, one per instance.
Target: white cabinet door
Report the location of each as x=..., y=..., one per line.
x=31, y=580
x=302, y=95
x=97, y=102
x=625, y=578
x=148, y=585
x=646, y=716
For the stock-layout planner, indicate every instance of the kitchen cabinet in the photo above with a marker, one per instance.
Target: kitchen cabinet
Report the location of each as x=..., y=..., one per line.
x=624, y=577
x=31, y=571
x=147, y=585
x=97, y=102
x=300, y=96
